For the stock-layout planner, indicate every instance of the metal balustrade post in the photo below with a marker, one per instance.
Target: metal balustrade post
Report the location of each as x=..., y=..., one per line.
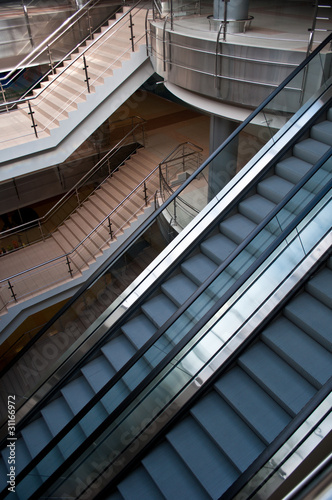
x=145, y=194
x=27, y=21
x=31, y=113
x=41, y=231
x=85, y=69
x=3, y=93
x=110, y=227
x=11, y=288
x=89, y=23
x=50, y=59
x=131, y=25
x=78, y=197
x=69, y=267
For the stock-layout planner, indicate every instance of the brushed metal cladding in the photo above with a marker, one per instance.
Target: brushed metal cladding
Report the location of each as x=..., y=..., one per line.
x=240, y=74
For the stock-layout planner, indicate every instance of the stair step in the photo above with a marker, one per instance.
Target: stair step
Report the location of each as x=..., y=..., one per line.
x=263, y=415
x=22, y=455
x=118, y=351
x=276, y=377
x=256, y=208
x=57, y=414
x=171, y=475
x=202, y=456
x=310, y=150
x=36, y=436
x=312, y=361
x=218, y=248
x=274, y=188
x=179, y=288
x=322, y=132
x=139, y=330
x=292, y=169
x=78, y=393
x=198, y=268
x=98, y=372
x=140, y=482
x=237, y=227
x=159, y=309
x=317, y=325
x=320, y=286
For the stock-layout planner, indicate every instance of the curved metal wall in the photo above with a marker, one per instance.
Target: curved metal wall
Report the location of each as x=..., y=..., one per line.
x=232, y=73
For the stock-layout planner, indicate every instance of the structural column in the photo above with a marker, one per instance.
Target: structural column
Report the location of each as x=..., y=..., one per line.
x=236, y=10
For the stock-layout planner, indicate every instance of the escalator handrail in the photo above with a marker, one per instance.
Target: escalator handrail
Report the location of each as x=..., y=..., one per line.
x=174, y=352
x=225, y=297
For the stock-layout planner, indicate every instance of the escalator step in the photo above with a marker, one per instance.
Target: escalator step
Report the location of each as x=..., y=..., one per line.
x=312, y=361
x=320, y=286
x=310, y=150
x=22, y=455
x=198, y=268
x=77, y=394
x=98, y=372
x=277, y=378
x=159, y=309
x=228, y=430
x=218, y=248
x=318, y=325
x=292, y=169
x=118, y=351
x=256, y=208
x=274, y=188
x=202, y=456
x=57, y=414
x=141, y=483
x=179, y=288
x=265, y=417
x=171, y=475
x=237, y=227
x=322, y=132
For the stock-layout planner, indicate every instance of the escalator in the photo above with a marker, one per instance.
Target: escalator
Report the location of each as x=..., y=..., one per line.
x=199, y=277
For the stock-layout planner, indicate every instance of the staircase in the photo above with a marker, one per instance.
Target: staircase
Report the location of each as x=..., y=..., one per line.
x=77, y=236
x=247, y=407
x=254, y=373
x=76, y=90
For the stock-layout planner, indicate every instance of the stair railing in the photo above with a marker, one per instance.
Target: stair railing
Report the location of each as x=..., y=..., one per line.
x=75, y=65
x=43, y=52
x=20, y=285
x=37, y=230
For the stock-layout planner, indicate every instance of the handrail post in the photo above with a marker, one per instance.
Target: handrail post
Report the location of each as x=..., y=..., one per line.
x=89, y=23
x=69, y=268
x=85, y=69
x=3, y=93
x=145, y=194
x=225, y=19
x=27, y=21
x=11, y=288
x=132, y=36
x=31, y=113
x=110, y=227
x=50, y=59
x=41, y=231
x=78, y=197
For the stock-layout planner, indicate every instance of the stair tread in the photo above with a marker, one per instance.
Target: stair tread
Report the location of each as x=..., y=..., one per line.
x=318, y=325
x=198, y=268
x=274, y=188
x=310, y=150
x=98, y=372
x=322, y=132
x=320, y=286
x=218, y=248
x=265, y=417
x=229, y=431
x=118, y=351
x=159, y=309
x=140, y=482
x=179, y=288
x=311, y=360
x=203, y=457
x=171, y=475
x=293, y=169
x=282, y=382
x=237, y=227
x=256, y=207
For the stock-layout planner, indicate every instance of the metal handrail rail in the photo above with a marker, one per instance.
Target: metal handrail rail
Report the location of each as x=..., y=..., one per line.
x=37, y=51
x=71, y=63
x=80, y=183
x=68, y=254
